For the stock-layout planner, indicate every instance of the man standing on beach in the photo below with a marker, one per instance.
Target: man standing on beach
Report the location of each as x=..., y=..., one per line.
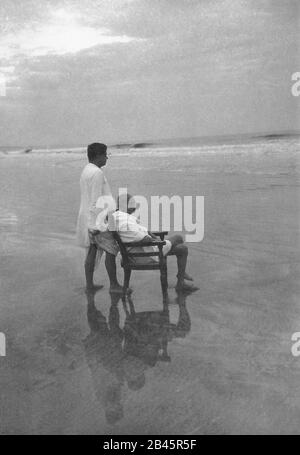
x=93, y=185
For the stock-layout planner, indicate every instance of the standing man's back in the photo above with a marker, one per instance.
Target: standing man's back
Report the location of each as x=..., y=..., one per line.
x=93, y=185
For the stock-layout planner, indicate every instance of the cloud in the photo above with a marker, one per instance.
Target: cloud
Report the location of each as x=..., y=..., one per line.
x=63, y=33
x=133, y=68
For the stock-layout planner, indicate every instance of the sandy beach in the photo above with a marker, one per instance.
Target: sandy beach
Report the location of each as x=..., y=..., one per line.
x=229, y=368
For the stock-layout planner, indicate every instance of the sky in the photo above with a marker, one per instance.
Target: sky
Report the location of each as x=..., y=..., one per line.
x=79, y=71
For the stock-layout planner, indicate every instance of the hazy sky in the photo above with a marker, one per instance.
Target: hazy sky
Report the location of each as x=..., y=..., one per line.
x=78, y=71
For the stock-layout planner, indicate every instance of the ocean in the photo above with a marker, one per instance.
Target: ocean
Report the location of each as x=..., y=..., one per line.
x=229, y=366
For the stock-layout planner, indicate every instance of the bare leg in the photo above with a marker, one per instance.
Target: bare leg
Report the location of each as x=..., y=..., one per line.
x=89, y=267
x=110, y=264
x=127, y=274
x=175, y=241
x=181, y=252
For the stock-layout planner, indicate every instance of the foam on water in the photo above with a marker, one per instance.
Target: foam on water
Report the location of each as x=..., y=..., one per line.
x=188, y=147
x=269, y=156
x=7, y=218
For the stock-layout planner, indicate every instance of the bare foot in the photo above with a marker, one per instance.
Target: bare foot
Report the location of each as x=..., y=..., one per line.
x=186, y=288
x=118, y=289
x=187, y=277
x=95, y=288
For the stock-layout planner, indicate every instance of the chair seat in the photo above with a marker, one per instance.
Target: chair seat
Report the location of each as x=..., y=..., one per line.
x=142, y=267
x=136, y=266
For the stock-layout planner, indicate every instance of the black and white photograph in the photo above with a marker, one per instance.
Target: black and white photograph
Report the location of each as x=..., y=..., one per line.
x=149, y=220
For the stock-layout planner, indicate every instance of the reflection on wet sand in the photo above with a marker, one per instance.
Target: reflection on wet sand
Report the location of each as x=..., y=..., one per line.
x=119, y=357
x=233, y=374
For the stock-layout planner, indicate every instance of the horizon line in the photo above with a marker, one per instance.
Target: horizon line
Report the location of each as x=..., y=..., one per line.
x=158, y=140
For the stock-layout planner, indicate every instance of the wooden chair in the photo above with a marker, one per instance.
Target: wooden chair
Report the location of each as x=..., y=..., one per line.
x=128, y=264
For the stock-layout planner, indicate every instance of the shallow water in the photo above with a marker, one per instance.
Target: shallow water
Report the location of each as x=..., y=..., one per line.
x=216, y=362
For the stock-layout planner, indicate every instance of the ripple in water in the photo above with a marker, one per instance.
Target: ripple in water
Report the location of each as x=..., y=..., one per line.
x=7, y=219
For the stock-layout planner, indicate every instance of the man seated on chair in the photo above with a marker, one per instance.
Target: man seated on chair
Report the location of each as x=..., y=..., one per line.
x=129, y=230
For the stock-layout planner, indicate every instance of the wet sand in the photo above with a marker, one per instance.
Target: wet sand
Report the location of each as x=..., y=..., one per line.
x=89, y=367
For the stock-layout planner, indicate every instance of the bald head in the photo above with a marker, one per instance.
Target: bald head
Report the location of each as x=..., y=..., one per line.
x=126, y=203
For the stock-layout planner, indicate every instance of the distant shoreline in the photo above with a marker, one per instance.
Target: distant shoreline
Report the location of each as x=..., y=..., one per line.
x=170, y=143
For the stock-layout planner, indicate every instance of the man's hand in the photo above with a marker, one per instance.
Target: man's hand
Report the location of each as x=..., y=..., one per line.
x=147, y=238
x=152, y=235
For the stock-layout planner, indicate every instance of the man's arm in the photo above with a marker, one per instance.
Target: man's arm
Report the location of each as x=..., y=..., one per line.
x=153, y=236
x=96, y=192
x=131, y=231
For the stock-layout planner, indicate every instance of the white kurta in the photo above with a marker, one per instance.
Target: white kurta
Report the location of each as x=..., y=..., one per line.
x=93, y=184
x=128, y=227
x=130, y=230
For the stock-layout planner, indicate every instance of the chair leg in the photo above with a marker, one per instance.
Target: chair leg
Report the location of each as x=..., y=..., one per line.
x=127, y=274
x=164, y=279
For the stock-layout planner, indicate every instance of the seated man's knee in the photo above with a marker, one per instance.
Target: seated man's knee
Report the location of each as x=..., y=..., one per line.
x=176, y=239
x=182, y=250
